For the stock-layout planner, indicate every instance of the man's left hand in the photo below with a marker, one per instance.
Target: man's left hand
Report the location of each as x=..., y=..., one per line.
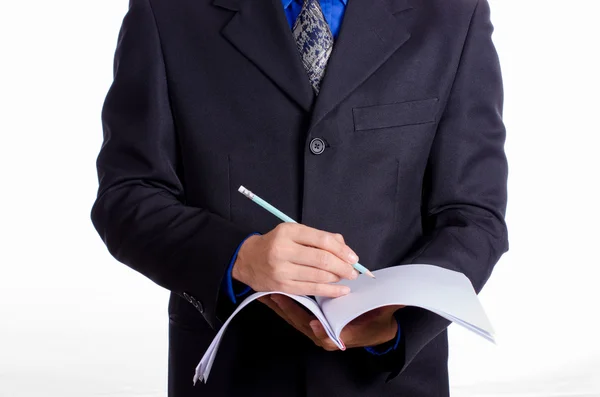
x=371, y=329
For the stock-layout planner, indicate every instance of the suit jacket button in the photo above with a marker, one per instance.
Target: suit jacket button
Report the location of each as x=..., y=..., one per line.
x=317, y=146
x=196, y=304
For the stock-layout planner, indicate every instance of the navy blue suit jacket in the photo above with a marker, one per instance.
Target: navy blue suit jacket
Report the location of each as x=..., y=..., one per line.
x=211, y=94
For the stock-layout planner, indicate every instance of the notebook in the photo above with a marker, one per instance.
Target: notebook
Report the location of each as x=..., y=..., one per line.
x=445, y=292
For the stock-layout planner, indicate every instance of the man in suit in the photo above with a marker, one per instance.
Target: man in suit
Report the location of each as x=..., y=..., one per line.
x=377, y=124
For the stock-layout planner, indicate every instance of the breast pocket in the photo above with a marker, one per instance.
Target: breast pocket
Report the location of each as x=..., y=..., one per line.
x=395, y=114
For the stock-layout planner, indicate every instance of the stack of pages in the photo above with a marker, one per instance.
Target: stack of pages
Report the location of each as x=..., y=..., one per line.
x=445, y=292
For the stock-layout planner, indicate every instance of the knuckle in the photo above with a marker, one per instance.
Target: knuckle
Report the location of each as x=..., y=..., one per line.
x=288, y=227
x=325, y=240
x=343, y=252
x=281, y=230
x=320, y=290
x=327, y=277
x=320, y=276
x=349, y=272
x=314, y=290
x=344, y=270
x=323, y=260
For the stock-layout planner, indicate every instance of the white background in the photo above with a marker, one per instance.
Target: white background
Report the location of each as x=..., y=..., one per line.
x=74, y=322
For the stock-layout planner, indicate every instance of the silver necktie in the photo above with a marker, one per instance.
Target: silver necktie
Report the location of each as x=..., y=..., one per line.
x=314, y=41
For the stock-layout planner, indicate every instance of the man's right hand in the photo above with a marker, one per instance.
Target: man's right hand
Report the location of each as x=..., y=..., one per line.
x=296, y=259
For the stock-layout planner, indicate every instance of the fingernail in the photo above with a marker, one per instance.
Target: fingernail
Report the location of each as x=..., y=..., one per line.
x=352, y=257
x=354, y=275
x=345, y=290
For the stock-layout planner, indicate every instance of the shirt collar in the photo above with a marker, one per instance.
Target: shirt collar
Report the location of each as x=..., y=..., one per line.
x=286, y=3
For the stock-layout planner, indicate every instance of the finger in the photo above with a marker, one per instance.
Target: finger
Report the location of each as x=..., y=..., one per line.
x=326, y=241
x=296, y=316
x=319, y=330
x=349, y=333
x=273, y=306
x=324, y=340
x=325, y=260
x=292, y=310
x=312, y=274
x=339, y=238
x=264, y=299
x=315, y=289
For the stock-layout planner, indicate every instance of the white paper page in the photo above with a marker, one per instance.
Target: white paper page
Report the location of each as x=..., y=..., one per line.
x=447, y=293
x=481, y=332
x=204, y=366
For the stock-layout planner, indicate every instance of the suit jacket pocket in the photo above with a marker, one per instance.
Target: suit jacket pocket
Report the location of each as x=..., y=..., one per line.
x=395, y=114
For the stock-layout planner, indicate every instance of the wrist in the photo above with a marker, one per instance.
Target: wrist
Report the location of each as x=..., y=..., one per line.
x=238, y=272
x=387, y=345
x=392, y=331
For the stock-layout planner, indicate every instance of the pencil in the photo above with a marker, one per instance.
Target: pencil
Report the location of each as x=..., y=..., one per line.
x=360, y=268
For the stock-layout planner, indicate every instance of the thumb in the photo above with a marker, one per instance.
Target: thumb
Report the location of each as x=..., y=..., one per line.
x=321, y=335
x=318, y=329
x=392, y=309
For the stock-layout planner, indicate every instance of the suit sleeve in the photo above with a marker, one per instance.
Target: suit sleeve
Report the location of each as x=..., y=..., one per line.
x=140, y=211
x=465, y=191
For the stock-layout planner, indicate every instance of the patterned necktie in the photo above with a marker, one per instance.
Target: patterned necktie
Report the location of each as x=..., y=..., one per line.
x=314, y=41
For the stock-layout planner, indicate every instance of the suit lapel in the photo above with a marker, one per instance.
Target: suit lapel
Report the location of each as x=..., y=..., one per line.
x=371, y=31
x=260, y=31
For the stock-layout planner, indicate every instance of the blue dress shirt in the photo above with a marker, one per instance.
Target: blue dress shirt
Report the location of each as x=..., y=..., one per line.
x=333, y=10
x=242, y=289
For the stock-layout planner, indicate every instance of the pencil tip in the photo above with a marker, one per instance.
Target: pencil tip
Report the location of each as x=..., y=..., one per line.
x=370, y=274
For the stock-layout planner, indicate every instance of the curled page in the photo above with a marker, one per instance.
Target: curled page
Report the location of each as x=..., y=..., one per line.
x=205, y=365
x=445, y=292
